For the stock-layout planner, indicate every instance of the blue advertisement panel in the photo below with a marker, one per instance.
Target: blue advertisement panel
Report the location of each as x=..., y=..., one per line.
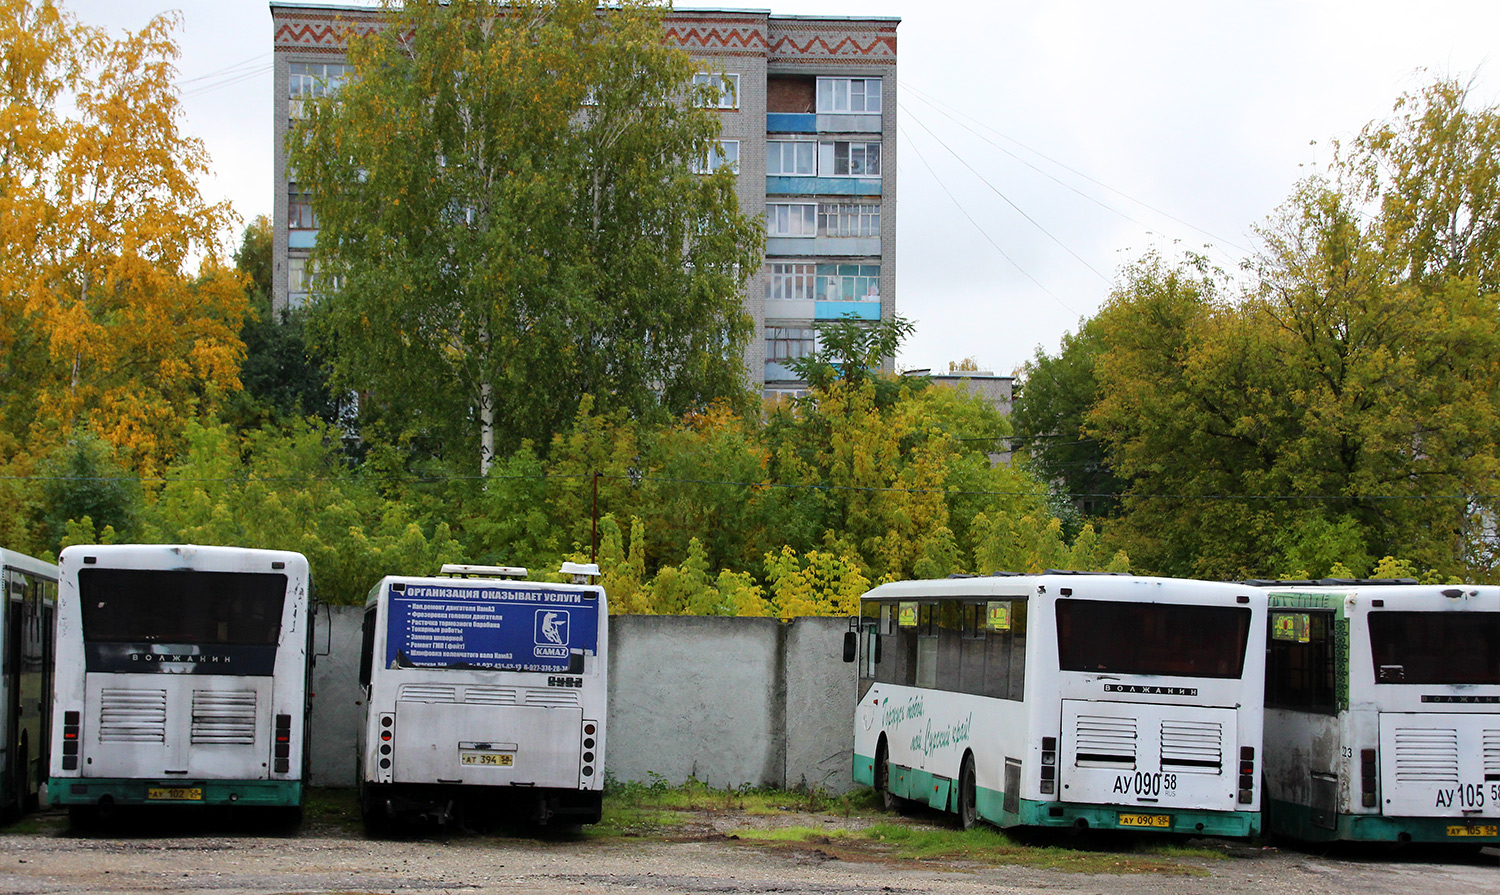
x=474, y=626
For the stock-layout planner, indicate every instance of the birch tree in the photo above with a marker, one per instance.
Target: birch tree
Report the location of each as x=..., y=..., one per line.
x=509, y=220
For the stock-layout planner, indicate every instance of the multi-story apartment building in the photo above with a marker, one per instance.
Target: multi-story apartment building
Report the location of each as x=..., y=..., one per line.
x=810, y=125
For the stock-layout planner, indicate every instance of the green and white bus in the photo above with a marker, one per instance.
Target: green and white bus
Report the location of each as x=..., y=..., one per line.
x=1383, y=712
x=1064, y=700
x=181, y=678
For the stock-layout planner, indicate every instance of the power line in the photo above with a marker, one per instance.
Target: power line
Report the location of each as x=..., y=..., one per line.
x=1007, y=199
x=959, y=205
x=941, y=108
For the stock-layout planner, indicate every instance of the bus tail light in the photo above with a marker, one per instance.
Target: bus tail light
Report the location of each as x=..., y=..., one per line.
x=1247, y=775
x=387, y=735
x=1367, y=772
x=283, y=744
x=70, y=741
x=590, y=728
x=1049, y=765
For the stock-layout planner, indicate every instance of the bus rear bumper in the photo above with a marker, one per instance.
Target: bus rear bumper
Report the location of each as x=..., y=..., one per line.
x=1229, y=824
x=120, y=792
x=1296, y=821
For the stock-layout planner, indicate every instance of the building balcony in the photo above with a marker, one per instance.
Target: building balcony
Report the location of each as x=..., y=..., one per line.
x=785, y=185
x=808, y=123
x=802, y=246
x=808, y=309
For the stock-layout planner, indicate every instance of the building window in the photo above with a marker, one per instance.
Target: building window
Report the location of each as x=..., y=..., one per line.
x=724, y=85
x=849, y=159
x=849, y=220
x=791, y=282
x=858, y=95
x=310, y=80
x=297, y=281
x=848, y=282
x=797, y=219
x=726, y=153
x=299, y=209
x=797, y=158
x=784, y=343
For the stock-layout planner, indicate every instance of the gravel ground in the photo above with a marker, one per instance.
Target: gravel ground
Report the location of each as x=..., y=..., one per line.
x=703, y=856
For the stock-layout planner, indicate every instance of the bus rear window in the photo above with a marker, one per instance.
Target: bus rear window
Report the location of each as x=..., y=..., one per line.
x=1435, y=647
x=1152, y=638
x=153, y=606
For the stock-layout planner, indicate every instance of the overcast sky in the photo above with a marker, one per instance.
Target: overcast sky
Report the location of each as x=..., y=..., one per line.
x=1076, y=134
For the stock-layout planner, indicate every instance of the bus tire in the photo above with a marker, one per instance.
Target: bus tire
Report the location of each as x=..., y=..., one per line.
x=83, y=817
x=968, y=807
x=888, y=800
x=16, y=806
x=373, y=814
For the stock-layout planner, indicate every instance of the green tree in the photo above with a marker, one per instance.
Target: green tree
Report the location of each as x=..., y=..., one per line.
x=852, y=350
x=1055, y=395
x=1434, y=171
x=281, y=376
x=509, y=219
x=83, y=479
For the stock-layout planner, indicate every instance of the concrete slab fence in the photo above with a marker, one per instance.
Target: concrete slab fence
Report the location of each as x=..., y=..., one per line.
x=729, y=701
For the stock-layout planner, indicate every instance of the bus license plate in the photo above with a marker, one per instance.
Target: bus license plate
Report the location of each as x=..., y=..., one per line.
x=175, y=794
x=496, y=759
x=1479, y=830
x=1163, y=821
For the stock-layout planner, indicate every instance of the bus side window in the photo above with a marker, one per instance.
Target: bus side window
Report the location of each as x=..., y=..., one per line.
x=367, y=647
x=1300, y=661
x=898, y=660
x=1004, y=649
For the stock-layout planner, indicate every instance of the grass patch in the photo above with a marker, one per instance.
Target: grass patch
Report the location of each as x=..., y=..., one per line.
x=1185, y=852
x=655, y=808
x=327, y=808
x=981, y=845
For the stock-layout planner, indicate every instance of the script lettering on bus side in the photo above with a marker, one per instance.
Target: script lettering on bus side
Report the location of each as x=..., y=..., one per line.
x=891, y=716
x=931, y=740
x=1468, y=795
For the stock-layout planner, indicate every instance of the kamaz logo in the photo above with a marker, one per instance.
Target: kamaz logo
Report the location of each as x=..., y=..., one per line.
x=551, y=634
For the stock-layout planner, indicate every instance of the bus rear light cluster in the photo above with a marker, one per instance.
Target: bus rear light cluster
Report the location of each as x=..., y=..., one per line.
x=1049, y=765
x=283, y=747
x=1368, y=796
x=387, y=722
x=589, y=729
x=70, y=741
x=1247, y=775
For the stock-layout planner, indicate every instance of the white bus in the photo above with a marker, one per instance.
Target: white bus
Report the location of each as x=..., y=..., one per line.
x=1383, y=712
x=26, y=663
x=484, y=693
x=1064, y=700
x=181, y=678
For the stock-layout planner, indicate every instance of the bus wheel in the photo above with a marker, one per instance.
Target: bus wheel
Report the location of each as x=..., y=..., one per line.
x=373, y=812
x=968, y=808
x=29, y=797
x=83, y=817
x=889, y=800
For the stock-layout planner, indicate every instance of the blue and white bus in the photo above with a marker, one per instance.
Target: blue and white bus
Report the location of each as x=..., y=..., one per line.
x=181, y=678
x=26, y=662
x=485, y=694
x=1075, y=700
